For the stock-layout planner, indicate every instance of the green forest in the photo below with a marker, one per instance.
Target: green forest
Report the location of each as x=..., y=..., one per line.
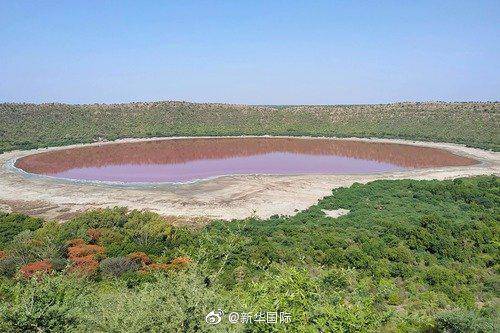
x=27, y=126
x=410, y=256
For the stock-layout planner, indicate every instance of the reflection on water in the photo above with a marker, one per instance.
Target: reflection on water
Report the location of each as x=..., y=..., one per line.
x=178, y=160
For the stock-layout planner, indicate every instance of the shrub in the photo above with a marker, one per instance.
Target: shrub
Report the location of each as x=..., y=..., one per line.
x=136, y=278
x=36, y=268
x=85, y=266
x=84, y=250
x=8, y=266
x=48, y=304
x=59, y=263
x=440, y=276
x=173, y=303
x=24, y=247
x=85, y=257
x=13, y=224
x=118, y=266
x=463, y=321
x=140, y=257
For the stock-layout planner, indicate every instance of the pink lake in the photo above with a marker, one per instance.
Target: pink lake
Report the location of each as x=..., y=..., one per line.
x=184, y=160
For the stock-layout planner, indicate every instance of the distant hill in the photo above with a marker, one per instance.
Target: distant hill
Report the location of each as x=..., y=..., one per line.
x=25, y=126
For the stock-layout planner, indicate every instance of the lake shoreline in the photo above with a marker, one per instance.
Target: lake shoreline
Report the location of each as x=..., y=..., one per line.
x=223, y=197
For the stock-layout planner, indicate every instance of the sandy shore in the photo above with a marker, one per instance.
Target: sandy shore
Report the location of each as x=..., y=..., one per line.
x=227, y=197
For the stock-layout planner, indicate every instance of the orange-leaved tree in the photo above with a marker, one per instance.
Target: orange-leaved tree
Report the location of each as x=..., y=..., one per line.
x=36, y=268
x=84, y=256
x=140, y=257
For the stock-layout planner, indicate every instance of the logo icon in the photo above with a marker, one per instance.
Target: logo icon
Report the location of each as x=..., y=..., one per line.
x=234, y=317
x=214, y=317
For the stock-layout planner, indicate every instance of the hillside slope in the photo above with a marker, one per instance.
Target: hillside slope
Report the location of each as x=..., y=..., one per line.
x=410, y=256
x=25, y=126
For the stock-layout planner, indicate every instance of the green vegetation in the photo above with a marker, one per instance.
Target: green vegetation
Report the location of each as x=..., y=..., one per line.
x=411, y=256
x=26, y=126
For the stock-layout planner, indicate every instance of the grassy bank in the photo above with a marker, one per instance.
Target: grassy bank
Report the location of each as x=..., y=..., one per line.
x=411, y=256
x=26, y=126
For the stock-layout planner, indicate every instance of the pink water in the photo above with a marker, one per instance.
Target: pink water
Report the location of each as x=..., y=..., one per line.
x=183, y=160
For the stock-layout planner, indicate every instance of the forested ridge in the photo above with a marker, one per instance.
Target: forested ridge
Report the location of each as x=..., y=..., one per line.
x=410, y=256
x=26, y=126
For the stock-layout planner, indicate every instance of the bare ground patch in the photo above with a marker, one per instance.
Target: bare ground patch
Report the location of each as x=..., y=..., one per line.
x=334, y=213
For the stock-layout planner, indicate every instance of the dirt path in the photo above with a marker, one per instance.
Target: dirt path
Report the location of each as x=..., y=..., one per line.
x=226, y=197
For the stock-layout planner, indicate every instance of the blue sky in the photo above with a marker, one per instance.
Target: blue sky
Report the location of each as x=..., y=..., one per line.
x=253, y=52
